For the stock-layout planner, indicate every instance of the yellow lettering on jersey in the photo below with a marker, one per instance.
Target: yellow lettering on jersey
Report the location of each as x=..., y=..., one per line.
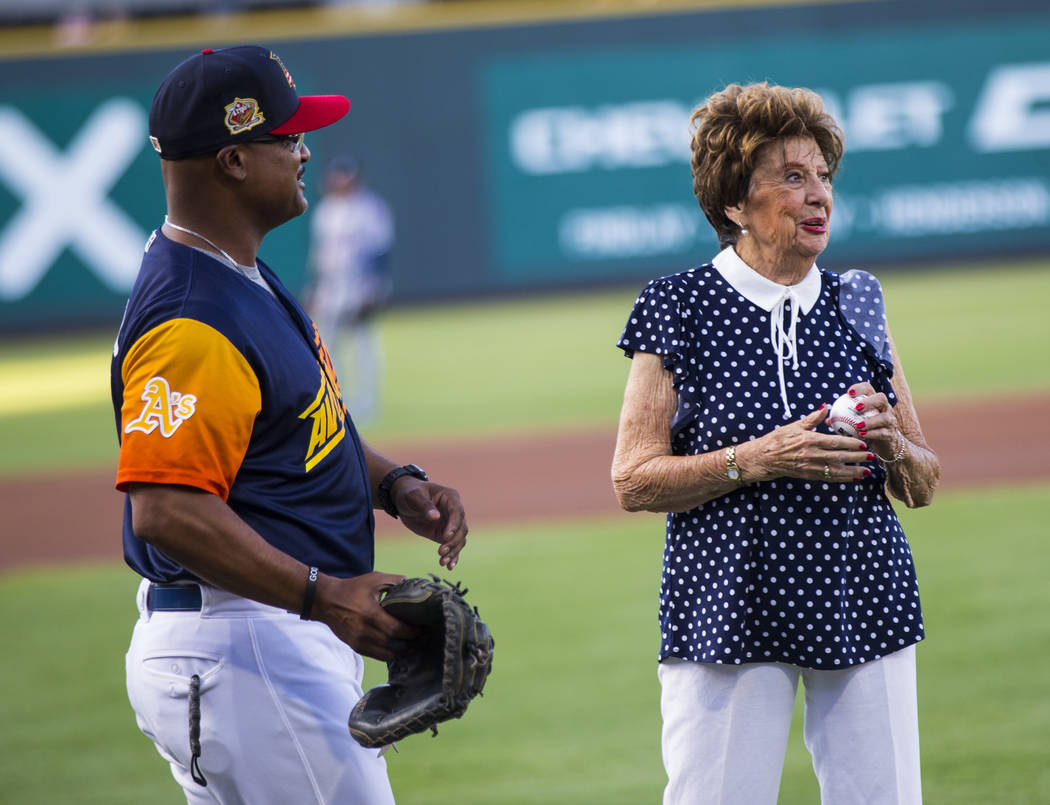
x=164, y=408
x=326, y=361
x=328, y=425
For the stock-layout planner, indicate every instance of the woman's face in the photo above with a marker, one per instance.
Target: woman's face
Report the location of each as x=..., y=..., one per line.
x=788, y=205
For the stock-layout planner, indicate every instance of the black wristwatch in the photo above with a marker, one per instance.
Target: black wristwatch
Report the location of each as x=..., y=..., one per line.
x=383, y=498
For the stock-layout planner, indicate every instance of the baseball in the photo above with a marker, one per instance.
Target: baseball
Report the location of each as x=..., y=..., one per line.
x=844, y=416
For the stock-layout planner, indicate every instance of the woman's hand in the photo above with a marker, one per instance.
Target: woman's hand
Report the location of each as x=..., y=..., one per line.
x=880, y=428
x=647, y=477
x=797, y=451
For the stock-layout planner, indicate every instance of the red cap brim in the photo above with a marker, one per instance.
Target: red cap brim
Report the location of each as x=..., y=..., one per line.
x=314, y=112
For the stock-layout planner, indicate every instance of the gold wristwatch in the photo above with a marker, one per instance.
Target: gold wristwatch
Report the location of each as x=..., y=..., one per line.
x=732, y=470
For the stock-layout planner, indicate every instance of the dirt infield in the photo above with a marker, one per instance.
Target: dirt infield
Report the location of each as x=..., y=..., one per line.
x=532, y=478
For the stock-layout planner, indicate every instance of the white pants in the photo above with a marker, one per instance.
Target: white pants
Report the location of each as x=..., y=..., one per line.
x=725, y=731
x=275, y=694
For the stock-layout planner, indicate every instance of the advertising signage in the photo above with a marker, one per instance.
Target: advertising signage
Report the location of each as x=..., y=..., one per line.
x=947, y=132
x=554, y=154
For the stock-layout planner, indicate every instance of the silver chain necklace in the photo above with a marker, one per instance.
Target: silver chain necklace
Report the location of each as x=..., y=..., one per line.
x=168, y=221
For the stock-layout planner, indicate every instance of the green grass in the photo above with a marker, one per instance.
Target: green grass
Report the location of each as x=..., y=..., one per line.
x=65, y=714
x=471, y=371
x=571, y=713
x=985, y=715
x=571, y=709
x=976, y=330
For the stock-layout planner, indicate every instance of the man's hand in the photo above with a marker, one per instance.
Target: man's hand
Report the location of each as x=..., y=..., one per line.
x=350, y=608
x=435, y=512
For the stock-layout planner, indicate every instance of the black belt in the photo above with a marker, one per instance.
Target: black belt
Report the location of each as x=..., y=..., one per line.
x=173, y=598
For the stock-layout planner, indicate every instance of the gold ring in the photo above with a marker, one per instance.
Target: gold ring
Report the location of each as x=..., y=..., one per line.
x=827, y=472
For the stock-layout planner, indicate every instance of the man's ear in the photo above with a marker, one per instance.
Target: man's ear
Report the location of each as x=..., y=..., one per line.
x=230, y=162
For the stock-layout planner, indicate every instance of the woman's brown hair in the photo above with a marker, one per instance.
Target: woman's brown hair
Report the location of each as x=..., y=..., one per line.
x=732, y=128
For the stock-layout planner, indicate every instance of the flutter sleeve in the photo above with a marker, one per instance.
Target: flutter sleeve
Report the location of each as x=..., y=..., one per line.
x=655, y=324
x=658, y=324
x=861, y=307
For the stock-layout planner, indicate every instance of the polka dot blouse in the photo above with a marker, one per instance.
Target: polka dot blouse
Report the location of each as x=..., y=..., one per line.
x=813, y=574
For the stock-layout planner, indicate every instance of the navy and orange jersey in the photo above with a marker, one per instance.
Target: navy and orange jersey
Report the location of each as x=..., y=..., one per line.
x=219, y=385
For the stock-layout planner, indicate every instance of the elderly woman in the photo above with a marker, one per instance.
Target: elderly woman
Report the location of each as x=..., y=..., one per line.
x=784, y=558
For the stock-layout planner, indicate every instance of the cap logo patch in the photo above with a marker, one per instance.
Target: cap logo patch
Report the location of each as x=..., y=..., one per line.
x=243, y=114
x=287, y=75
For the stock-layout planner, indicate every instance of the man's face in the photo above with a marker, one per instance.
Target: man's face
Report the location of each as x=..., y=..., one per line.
x=275, y=178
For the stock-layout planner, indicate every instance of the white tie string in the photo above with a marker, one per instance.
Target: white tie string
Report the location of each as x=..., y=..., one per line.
x=784, y=341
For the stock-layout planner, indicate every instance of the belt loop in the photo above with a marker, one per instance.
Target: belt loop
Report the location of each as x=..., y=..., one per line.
x=141, y=597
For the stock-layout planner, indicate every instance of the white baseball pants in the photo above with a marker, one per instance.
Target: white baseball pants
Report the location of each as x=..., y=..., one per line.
x=725, y=731
x=275, y=694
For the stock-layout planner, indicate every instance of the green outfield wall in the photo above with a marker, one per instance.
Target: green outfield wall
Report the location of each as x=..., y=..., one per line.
x=548, y=152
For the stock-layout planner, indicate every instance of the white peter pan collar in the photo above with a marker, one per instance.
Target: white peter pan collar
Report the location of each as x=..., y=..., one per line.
x=777, y=300
x=762, y=291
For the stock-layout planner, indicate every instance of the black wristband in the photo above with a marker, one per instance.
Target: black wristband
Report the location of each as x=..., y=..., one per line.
x=383, y=498
x=308, y=596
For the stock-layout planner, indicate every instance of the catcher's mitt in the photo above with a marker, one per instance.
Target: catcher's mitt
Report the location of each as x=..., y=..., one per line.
x=435, y=681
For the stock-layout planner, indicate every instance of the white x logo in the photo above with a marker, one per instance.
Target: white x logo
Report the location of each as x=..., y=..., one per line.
x=65, y=200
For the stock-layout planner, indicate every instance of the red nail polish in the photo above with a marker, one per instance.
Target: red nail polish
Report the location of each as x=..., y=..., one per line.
x=871, y=456
x=867, y=472
x=863, y=446
x=852, y=393
x=822, y=406
x=860, y=407
x=862, y=426
x=856, y=479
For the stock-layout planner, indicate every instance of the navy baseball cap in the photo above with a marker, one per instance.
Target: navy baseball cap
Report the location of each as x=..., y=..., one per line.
x=221, y=97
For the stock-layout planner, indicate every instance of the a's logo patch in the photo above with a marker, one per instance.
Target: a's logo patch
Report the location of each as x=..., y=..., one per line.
x=287, y=75
x=164, y=408
x=243, y=114
x=329, y=422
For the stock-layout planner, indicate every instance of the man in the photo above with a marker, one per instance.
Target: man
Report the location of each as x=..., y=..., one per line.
x=250, y=492
x=352, y=232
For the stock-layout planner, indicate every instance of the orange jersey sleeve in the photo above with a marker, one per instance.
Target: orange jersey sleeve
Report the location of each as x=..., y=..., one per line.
x=189, y=406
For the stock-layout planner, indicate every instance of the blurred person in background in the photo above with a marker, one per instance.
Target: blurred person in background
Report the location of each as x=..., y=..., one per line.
x=352, y=233
x=784, y=559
